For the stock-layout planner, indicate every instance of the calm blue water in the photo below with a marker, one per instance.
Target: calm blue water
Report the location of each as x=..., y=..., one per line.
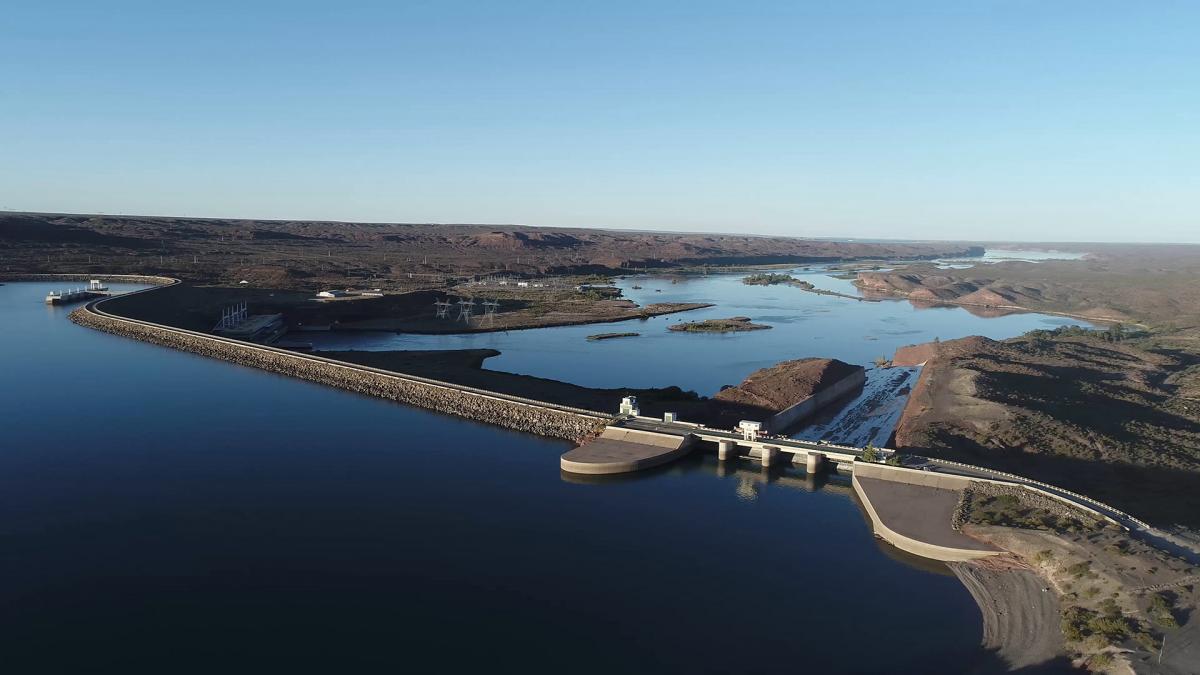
x=168, y=513
x=803, y=325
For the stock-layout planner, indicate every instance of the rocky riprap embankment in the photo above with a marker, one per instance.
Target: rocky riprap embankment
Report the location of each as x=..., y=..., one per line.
x=512, y=414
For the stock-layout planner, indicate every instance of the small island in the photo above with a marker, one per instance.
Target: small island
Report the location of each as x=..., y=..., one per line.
x=787, y=279
x=734, y=324
x=611, y=336
x=774, y=279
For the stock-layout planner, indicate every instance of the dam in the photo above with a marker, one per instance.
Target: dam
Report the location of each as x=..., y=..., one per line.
x=611, y=444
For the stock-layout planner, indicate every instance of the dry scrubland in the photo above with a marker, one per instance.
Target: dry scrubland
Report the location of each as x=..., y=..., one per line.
x=1151, y=284
x=1109, y=419
x=1114, y=414
x=1115, y=597
x=309, y=255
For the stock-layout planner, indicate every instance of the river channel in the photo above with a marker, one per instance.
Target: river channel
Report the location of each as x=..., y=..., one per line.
x=163, y=512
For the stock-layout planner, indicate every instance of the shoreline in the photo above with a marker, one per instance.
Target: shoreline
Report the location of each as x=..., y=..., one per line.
x=1013, y=308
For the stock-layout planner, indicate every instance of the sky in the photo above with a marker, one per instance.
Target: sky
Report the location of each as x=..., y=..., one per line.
x=1039, y=121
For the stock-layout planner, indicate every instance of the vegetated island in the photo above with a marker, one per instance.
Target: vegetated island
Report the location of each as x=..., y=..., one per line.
x=772, y=279
x=611, y=336
x=735, y=324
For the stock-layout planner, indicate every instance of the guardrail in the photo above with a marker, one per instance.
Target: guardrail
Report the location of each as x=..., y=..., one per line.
x=94, y=307
x=1046, y=486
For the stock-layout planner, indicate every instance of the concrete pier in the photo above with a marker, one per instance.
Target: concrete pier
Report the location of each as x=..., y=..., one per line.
x=620, y=450
x=815, y=462
x=769, y=454
x=726, y=450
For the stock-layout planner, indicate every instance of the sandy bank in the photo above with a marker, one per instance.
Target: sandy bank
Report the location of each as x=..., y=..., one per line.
x=1020, y=612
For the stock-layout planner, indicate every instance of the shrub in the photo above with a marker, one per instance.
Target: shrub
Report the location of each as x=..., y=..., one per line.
x=1146, y=640
x=1074, y=623
x=1080, y=570
x=1160, y=612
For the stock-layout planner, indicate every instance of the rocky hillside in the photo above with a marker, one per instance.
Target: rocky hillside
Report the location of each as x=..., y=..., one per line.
x=1158, y=285
x=1107, y=418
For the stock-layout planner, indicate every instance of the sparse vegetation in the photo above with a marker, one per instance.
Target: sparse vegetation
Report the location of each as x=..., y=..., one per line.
x=1009, y=510
x=1106, y=627
x=1162, y=612
x=767, y=279
x=732, y=325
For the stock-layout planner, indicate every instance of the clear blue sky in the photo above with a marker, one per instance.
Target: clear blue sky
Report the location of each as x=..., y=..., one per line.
x=1031, y=120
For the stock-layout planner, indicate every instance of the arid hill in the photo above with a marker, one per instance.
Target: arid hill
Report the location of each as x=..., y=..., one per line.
x=1151, y=284
x=771, y=390
x=786, y=384
x=1108, y=418
x=310, y=254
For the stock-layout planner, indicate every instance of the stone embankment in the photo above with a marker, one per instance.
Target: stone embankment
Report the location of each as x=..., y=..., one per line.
x=543, y=420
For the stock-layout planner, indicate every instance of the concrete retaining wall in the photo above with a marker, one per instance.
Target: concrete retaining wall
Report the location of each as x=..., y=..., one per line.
x=510, y=412
x=909, y=544
x=790, y=416
x=948, y=481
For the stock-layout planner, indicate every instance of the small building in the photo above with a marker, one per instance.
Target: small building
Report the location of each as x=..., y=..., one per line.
x=329, y=295
x=751, y=429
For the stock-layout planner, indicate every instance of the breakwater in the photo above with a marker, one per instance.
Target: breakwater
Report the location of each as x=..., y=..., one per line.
x=530, y=416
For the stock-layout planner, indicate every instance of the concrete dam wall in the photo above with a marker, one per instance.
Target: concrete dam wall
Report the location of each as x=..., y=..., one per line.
x=789, y=417
x=535, y=417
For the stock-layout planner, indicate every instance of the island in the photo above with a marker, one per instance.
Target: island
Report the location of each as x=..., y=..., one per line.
x=611, y=336
x=773, y=279
x=735, y=324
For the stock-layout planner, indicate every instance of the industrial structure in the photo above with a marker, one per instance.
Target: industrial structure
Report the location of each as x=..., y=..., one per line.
x=237, y=323
x=95, y=289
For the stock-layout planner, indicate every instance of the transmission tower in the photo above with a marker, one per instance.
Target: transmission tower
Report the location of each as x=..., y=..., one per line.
x=464, y=310
x=233, y=316
x=443, y=308
x=489, y=312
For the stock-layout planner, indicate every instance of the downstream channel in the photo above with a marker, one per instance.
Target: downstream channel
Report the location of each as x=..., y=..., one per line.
x=170, y=512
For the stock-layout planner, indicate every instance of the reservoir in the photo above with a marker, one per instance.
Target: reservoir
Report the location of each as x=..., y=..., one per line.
x=163, y=512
